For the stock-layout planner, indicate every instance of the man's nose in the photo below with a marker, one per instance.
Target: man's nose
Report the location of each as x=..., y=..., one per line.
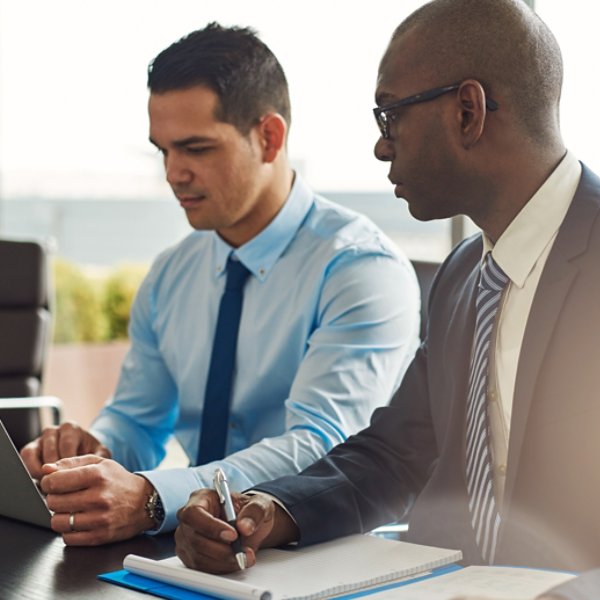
x=176, y=170
x=384, y=150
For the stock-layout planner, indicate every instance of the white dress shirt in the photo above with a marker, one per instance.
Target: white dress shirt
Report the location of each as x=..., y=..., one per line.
x=521, y=252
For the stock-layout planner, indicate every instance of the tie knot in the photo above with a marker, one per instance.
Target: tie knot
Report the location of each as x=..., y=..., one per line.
x=493, y=278
x=236, y=275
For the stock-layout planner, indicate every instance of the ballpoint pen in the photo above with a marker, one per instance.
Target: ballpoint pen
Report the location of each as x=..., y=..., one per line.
x=222, y=489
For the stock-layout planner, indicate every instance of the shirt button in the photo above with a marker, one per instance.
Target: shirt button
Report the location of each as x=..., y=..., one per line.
x=492, y=396
x=261, y=271
x=502, y=469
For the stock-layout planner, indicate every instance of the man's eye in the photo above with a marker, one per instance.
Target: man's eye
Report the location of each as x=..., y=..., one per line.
x=197, y=149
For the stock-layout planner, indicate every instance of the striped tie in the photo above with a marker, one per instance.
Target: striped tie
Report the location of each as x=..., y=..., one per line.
x=485, y=517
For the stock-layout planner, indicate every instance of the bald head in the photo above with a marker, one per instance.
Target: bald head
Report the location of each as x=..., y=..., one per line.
x=501, y=43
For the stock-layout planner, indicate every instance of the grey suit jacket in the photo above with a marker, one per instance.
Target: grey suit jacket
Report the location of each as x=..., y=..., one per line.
x=410, y=462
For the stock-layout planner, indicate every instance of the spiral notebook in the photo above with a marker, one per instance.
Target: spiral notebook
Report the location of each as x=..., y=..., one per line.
x=333, y=568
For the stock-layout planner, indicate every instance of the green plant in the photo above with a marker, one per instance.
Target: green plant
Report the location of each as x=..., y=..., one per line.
x=92, y=305
x=78, y=315
x=119, y=291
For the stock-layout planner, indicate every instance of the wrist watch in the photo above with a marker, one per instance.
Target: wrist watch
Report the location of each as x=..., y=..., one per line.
x=154, y=509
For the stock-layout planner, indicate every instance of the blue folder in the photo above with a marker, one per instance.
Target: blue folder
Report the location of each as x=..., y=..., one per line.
x=172, y=592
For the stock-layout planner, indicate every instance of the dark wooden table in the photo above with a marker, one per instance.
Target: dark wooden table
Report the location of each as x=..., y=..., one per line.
x=36, y=565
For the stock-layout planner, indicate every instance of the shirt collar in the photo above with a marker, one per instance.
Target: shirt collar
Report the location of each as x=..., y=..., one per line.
x=260, y=253
x=522, y=243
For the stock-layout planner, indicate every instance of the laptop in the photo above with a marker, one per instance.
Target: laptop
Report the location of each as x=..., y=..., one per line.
x=20, y=497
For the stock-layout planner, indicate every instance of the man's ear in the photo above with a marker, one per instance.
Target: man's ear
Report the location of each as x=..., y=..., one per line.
x=472, y=112
x=272, y=129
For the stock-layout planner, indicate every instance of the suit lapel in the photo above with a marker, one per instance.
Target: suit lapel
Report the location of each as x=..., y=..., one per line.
x=545, y=312
x=556, y=280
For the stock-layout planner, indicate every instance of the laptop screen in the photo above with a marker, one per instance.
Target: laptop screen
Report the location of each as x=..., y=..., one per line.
x=20, y=497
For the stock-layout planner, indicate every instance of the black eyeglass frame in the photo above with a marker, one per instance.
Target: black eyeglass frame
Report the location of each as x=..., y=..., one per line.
x=380, y=112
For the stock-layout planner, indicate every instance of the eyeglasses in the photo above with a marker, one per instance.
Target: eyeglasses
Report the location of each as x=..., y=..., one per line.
x=383, y=118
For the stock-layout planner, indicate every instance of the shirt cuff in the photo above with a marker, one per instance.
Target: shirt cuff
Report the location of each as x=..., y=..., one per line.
x=174, y=487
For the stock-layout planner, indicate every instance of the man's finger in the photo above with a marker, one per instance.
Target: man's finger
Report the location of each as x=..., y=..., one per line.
x=199, y=552
x=256, y=512
x=69, y=440
x=75, y=502
x=74, y=462
x=71, y=478
x=69, y=522
x=207, y=499
x=32, y=457
x=102, y=451
x=49, y=446
x=200, y=520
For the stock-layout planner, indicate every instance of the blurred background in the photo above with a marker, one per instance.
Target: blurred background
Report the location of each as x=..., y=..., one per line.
x=78, y=173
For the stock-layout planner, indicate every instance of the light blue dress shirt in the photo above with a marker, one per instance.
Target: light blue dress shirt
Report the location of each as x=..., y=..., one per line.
x=329, y=323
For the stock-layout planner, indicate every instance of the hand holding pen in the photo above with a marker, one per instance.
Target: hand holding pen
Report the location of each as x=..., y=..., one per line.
x=222, y=489
x=204, y=541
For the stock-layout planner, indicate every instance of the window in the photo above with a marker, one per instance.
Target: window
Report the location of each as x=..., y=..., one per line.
x=75, y=163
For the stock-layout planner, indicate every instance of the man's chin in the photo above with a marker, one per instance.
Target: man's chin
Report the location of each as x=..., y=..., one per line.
x=197, y=218
x=419, y=212
x=432, y=211
x=198, y=224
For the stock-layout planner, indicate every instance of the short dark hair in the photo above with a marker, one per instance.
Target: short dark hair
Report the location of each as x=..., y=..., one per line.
x=232, y=62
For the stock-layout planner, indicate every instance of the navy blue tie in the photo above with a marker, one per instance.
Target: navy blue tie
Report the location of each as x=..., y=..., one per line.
x=485, y=517
x=217, y=397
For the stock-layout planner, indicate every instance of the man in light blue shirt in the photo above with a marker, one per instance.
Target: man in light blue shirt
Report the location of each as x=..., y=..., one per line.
x=330, y=315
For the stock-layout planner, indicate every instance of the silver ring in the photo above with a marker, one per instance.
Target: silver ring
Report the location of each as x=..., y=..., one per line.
x=72, y=522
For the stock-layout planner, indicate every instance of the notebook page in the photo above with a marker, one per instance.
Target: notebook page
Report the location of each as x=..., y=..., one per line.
x=331, y=568
x=499, y=583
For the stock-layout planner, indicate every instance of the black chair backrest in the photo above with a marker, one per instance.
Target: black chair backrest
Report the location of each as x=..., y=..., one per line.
x=425, y=271
x=24, y=317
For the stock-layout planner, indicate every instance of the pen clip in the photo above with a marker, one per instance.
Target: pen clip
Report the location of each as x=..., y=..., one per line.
x=218, y=480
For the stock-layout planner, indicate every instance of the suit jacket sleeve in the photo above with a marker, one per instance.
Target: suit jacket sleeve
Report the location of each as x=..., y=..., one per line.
x=372, y=478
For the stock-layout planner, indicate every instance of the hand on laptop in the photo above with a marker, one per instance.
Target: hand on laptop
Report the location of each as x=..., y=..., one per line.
x=95, y=500
x=64, y=441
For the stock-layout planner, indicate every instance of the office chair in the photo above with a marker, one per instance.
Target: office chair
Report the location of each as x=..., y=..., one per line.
x=24, y=337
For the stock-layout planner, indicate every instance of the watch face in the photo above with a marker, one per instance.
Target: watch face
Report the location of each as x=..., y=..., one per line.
x=159, y=511
x=154, y=509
